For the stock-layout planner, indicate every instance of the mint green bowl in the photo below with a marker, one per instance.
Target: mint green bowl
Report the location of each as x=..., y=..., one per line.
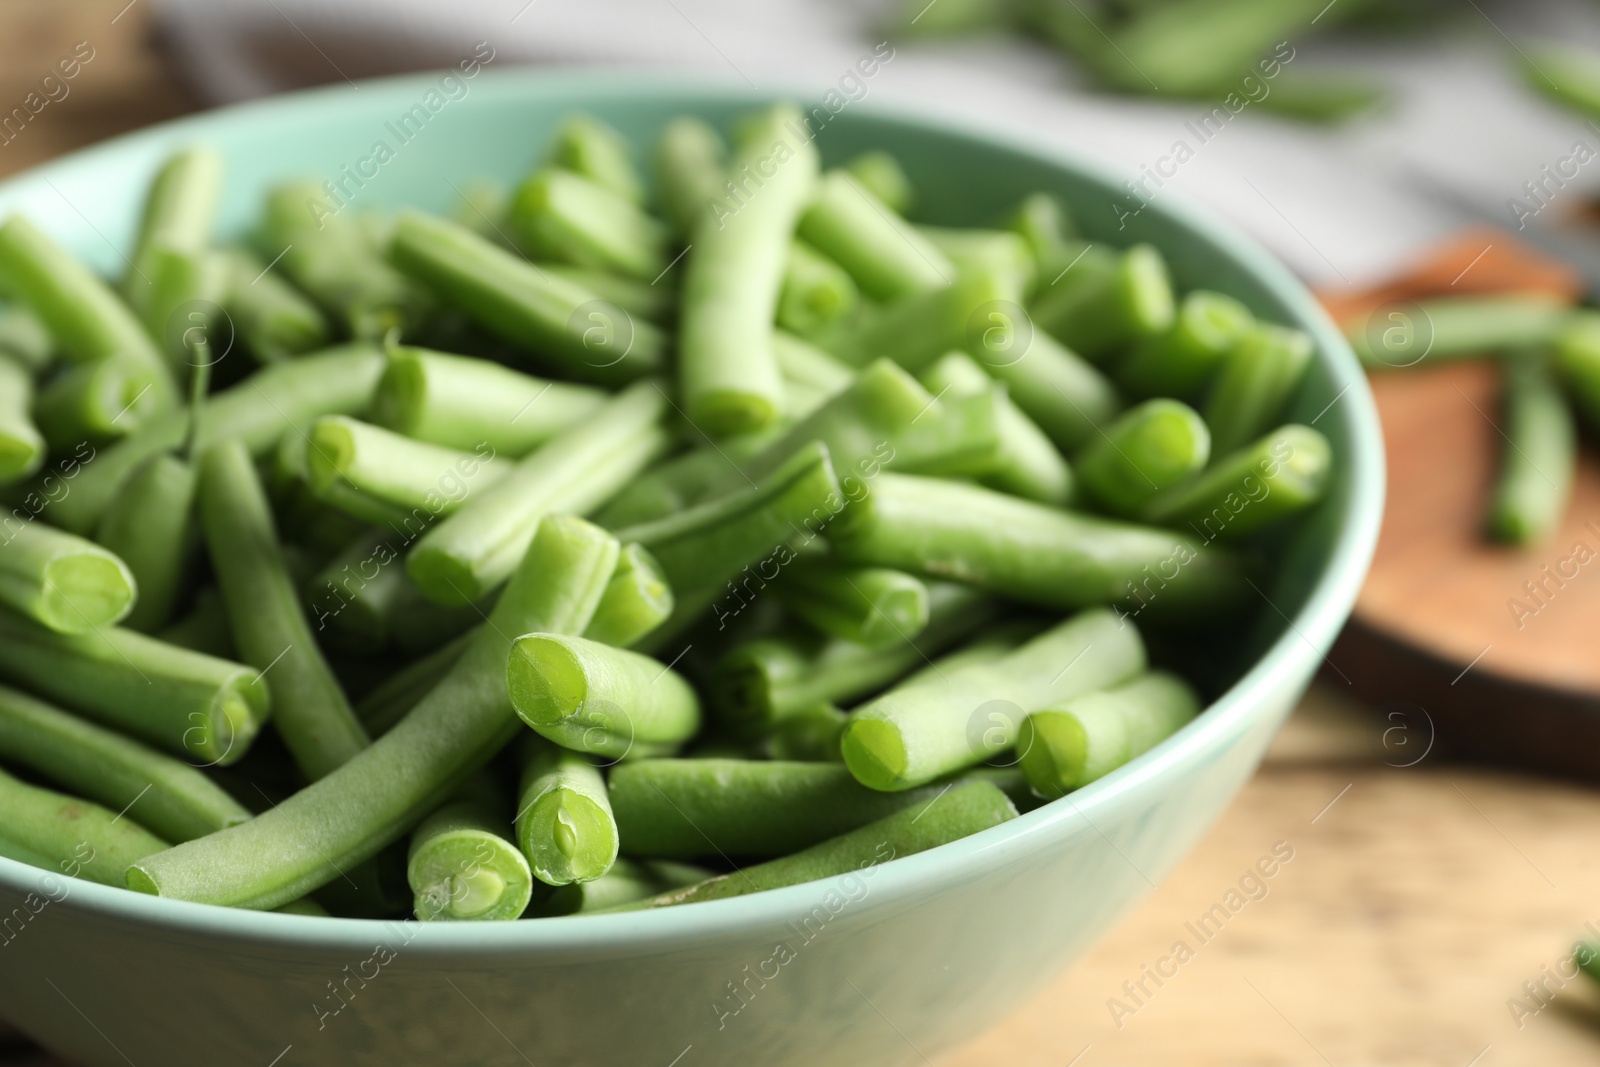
x=931, y=949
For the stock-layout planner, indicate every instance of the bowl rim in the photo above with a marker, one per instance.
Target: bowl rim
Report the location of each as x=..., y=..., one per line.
x=1289, y=658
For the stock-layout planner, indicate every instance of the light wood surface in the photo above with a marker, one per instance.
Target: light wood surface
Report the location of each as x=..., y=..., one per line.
x=1415, y=906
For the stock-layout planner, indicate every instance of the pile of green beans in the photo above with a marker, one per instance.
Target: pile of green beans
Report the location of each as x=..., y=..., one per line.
x=659, y=537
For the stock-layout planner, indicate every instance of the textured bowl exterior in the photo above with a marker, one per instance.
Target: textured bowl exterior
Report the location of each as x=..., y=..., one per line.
x=886, y=967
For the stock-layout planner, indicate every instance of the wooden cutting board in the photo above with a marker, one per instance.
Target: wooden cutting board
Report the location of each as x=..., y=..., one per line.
x=1478, y=648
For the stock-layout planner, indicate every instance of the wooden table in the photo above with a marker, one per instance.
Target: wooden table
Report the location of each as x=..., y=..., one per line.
x=1419, y=899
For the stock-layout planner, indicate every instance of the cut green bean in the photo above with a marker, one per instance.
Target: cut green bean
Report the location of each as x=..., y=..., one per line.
x=880, y=174
x=1036, y=554
x=684, y=480
x=166, y=795
x=1006, y=253
x=1453, y=327
x=332, y=260
x=1044, y=222
x=652, y=303
x=595, y=698
x=406, y=474
x=151, y=527
x=803, y=363
x=1177, y=363
x=559, y=215
x=184, y=702
x=275, y=401
x=96, y=402
x=355, y=599
x=765, y=681
x=265, y=616
x=626, y=882
x=469, y=554
x=872, y=606
x=690, y=164
x=80, y=311
x=965, y=810
x=729, y=376
x=585, y=145
x=1283, y=473
x=371, y=801
x=887, y=256
x=1027, y=463
x=62, y=581
x=305, y=503
x=22, y=446
x=183, y=303
x=1070, y=744
x=1111, y=310
x=571, y=328
x=1536, y=467
x=25, y=340
x=272, y=317
x=914, y=734
x=386, y=705
x=811, y=735
x=1565, y=73
x=180, y=211
x=1151, y=447
x=816, y=293
x=461, y=867
x=61, y=833
x=705, y=808
x=1204, y=46
x=1575, y=355
x=467, y=403
x=204, y=628
x=637, y=600
x=1255, y=383
x=705, y=550
x=564, y=822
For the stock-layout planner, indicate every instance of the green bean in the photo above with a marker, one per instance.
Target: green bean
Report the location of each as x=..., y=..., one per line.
x=265, y=616
x=1575, y=355
x=965, y=810
x=96, y=402
x=62, y=581
x=371, y=801
x=571, y=328
x=58, y=832
x=803, y=363
x=181, y=701
x=585, y=145
x=481, y=208
x=466, y=403
x=1027, y=463
x=204, y=628
x=1002, y=251
x=22, y=446
x=1536, y=466
x=1151, y=447
x=25, y=340
x=79, y=310
x=183, y=300
x=1109, y=311
x=1453, y=327
x=816, y=293
x=811, y=735
x=564, y=822
x=293, y=484
x=1177, y=363
x=690, y=164
x=880, y=174
x=272, y=317
x=150, y=526
x=387, y=704
x=679, y=482
x=653, y=303
x=703, y=808
x=461, y=867
x=1200, y=48
x=396, y=470
x=998, y=641
x=626, y=881
x=167, y=795
x=1565, y=73
x=887, y=256
x=727, y=371
x=1070, y=744
x=872, y=606
x=914, y=734
x=559, y=215
x=637, y=600
x=763, y=682
x=703, y=551
x=1257, y=380
x=595, y=698
x=333, y=261
x=1035, y=554
x=473, y=551
x=355, y=600
x=1284, y=472
x=258, y=411
x=1044, y=222
x=180, y=211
